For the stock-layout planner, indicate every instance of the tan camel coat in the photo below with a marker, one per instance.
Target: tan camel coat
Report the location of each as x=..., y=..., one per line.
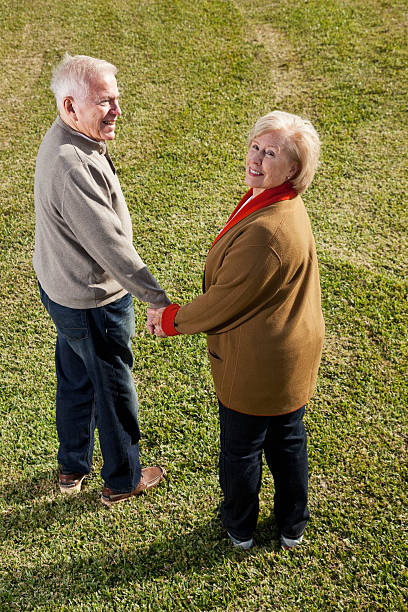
x=261, y=311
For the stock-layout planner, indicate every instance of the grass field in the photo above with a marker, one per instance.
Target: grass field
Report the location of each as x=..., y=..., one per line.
x=194, y=77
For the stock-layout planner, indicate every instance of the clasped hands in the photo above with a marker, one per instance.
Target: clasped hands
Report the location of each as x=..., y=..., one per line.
x=154, y=317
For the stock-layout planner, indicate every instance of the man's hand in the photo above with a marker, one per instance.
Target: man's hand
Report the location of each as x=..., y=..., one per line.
x=154, y=316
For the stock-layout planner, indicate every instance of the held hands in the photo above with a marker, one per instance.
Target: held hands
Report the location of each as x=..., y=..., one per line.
x=154, y=316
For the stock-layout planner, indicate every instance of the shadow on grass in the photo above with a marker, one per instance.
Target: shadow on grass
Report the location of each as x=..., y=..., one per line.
x=202, y=548
x=36, y=502
x=39, y=485
x=27, y=489
x=117, y=564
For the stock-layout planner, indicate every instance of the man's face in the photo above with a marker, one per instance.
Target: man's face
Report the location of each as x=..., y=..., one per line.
x=96, y=115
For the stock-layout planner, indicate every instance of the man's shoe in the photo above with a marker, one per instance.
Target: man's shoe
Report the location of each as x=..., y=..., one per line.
x=151, y=477
x=70, y=483
x=243, y=544
x=288, y=543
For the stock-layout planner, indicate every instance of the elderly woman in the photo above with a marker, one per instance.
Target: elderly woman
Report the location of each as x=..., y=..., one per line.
x=261, y=311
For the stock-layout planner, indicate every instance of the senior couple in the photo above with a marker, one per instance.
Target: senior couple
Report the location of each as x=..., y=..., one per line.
x=260, y=307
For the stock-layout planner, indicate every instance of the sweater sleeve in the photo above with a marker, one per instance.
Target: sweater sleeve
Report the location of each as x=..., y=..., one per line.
x=247, y=280
x=88, y=212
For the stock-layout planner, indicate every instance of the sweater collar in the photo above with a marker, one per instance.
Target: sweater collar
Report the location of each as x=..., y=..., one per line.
x=82, y=140
x=266, y=198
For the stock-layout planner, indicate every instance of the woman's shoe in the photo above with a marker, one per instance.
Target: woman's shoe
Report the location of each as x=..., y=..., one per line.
x=288, y=543
x=243, y=544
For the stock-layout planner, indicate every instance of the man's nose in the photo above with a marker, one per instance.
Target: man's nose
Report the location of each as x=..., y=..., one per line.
x=115, y=108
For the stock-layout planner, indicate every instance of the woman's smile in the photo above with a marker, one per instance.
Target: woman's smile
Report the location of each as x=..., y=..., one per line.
x=254, y=172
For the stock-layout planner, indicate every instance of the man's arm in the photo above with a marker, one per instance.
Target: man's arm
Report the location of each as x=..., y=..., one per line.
x=88, y=212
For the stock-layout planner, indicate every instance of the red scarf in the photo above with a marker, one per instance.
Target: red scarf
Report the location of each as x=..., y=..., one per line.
x=267, y=197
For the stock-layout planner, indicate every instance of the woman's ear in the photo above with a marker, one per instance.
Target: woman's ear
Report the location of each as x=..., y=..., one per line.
x=294, y=169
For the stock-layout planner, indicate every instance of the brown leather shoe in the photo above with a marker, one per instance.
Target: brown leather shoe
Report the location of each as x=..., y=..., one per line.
x=70, y=483
x=151, y=477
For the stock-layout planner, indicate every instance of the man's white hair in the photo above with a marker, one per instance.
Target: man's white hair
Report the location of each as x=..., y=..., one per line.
x=74, y=75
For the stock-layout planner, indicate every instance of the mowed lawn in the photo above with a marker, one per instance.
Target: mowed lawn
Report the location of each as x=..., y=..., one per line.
x=193, y=78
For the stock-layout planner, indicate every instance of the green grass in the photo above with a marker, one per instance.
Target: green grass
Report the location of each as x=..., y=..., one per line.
x=194, y=77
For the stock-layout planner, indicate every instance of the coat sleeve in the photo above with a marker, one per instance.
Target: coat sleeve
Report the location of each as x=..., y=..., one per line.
x=88, y=212
x=247, y=280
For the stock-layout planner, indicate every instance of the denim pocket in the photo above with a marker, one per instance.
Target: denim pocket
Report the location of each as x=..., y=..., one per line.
x=70, y=322
x=120, y=319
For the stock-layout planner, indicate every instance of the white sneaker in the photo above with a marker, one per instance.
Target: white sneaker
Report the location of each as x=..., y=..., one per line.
x=288, y=543
x=245, y=545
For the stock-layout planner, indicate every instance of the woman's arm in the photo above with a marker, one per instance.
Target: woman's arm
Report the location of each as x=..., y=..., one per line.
x=248, y=278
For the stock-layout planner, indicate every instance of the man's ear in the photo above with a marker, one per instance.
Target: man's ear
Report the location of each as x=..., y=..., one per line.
x=68, y=104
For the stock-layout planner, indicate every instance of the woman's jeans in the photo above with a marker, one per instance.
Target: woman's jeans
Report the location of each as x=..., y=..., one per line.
x=93, y=359
x=283, y=440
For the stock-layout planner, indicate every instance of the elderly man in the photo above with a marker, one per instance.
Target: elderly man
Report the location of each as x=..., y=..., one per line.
x=87, y=270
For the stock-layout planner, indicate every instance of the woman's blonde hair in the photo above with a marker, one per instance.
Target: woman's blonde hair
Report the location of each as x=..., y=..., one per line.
x=301, y=140
x=74, y=75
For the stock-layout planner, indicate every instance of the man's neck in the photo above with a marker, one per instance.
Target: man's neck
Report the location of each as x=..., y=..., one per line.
x=70, y=125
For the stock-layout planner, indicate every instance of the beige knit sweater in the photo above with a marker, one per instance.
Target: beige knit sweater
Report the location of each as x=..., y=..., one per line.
x=84, y=256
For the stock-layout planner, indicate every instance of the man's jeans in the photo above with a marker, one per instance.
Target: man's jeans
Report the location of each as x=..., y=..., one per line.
x=283, y=439
x=93, y=359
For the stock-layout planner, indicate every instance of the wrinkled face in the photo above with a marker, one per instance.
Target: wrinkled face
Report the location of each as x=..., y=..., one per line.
x=268, y=163
x=96, y=115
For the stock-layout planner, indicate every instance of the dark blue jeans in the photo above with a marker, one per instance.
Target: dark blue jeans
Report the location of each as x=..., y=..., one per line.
x=93, y=359
x=283, y=440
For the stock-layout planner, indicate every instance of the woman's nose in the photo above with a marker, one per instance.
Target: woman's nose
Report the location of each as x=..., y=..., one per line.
x=257, y=157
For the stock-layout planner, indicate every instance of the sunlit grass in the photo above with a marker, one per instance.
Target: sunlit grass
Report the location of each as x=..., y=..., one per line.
x=193, y=78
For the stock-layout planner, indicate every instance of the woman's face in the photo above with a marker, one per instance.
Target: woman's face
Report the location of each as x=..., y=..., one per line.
x=268, y=163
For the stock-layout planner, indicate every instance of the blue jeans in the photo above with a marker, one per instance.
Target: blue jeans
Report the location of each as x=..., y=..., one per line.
x=93, y=360
x=283, y=440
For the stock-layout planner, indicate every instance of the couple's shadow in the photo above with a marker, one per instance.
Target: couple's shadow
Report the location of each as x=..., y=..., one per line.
x=186, y=550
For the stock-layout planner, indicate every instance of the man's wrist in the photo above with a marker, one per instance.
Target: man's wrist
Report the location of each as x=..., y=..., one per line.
x=163, y=304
